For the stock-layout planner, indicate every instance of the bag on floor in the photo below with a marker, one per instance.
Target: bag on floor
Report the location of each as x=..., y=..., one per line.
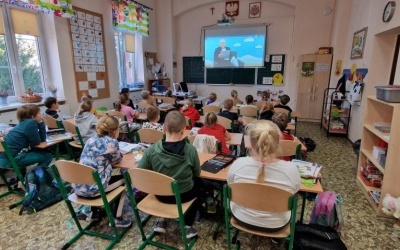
x=40, y=191
x=327, y=210
x=317, y=237
x=309, y=143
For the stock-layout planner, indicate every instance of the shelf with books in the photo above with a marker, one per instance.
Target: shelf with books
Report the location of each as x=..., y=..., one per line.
x=374, y=161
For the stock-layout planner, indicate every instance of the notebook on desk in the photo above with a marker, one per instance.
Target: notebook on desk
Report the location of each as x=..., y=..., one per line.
x=218, y=162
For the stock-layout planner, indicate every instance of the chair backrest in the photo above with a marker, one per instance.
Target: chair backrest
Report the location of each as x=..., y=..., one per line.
x=148, y=135
x=225, y=122
x=50, y=122
x=210, y=108
x=74, y=172
x=248, y=195
x=151, y=182
x=143, y=105
x=176, y=86
x=184, y=86
x=289, y=148
x=73, y=130
x=261, y=104
x=169, y=100
x=248, y=111
x=188, y=122
x=117, y=114
x=281, y=110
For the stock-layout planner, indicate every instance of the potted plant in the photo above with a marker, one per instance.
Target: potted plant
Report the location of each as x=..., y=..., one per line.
x=53, y=90
x=3, y=96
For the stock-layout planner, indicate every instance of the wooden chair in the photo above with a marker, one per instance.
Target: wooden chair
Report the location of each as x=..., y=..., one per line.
x=289, y=149
x=143, y=106
x=155, y=183
x=275, y=200
x=74, y=131
x=148, y=135
x=210, y=108
x=74, y=172
x=282, y=110
x=169, y=100
x=261, y=104
x=10, y=164
x=226, y=123
x=188, y=122
x=123, y=124
x=53, y=123
x=248, y=111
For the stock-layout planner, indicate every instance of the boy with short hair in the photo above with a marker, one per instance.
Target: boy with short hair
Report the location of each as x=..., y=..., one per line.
x=283, y=101
x=147, y=98
x=153, y=115
x=226, y=112
x=52, y=107
x=178, y=159
x=281, y=119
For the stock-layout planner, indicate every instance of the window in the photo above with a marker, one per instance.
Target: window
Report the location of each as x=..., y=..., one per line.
x=125, y=49
x=21, y=64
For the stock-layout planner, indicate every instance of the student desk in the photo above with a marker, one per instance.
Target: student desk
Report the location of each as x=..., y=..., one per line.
x=248, y=145
x=128, y=162
x=236, y=138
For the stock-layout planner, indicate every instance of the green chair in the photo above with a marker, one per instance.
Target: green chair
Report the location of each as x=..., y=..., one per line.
x=74, y=172
x=74, y=131
x=274, y=200
x=53, y=123
x=155, y=183
x=9, y=163
x=124, y=126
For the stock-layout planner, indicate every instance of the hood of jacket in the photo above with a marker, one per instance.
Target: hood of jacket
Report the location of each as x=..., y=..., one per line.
x=79, y=118
x=172, y=160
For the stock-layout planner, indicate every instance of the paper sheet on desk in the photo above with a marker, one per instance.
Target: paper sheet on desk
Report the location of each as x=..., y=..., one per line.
x=126, y=147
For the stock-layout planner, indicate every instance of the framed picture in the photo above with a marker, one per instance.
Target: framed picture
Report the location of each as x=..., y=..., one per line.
x=254, y=10
x=357, y=47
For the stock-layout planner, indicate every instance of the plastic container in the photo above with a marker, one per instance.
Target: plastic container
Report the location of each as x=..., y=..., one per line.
x=390, y=93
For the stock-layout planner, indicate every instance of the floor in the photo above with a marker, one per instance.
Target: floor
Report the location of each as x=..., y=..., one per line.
x=50, y=228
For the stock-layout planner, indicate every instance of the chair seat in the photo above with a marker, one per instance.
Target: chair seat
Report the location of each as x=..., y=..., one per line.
x=96, y=202
x=279, y=234
x=75, y=145
x=151, y=205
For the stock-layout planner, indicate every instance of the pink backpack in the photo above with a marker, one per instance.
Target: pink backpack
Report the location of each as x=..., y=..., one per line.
x=327, y=210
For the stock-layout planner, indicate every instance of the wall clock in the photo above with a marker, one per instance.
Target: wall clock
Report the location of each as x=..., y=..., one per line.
x=388, y=11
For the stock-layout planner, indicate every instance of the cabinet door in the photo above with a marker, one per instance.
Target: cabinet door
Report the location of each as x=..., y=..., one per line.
x=322, y=73
x=316, y=106
x=303, y=104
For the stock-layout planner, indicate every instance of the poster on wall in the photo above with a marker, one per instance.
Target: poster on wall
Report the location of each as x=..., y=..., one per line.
x=86, y=29
x=307, y=69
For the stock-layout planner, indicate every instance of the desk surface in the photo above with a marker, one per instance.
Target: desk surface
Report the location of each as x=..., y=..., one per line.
x=128, y=162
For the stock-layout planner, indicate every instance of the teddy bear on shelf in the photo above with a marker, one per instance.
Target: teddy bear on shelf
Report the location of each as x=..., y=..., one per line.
x=391, y=206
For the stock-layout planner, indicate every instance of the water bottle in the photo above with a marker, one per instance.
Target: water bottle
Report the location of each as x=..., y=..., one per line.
x=40, y=174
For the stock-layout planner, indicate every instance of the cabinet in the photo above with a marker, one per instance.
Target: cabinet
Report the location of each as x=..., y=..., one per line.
x=335, y=118
x=378, y=112
x=164, y=81
x=311, y=85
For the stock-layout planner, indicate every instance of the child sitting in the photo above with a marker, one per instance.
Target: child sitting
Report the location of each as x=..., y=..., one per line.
x=283, y=101
x=23, y=138
x=153, y=115
x=281, y=120
x=212, y=100
x=226, y=112
x=148, y=99
x=101, y=152
x=267, y=111
x=131, y=115
x=235, y=99
x=126, y=92
x=211, y=127
x=263, y=167
x=249, y=101
x=178, y=159
x=189, y=111
x=89, y=98
x=168, y=93
x=52, y=107
x=85, y=121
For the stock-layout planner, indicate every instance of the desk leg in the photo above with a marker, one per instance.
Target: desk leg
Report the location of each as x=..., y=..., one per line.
x=303, y=206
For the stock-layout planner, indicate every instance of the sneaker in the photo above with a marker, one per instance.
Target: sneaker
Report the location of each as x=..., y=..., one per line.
x=122, y=222
x=160, y=226
x=91, y=216
x=190, y=232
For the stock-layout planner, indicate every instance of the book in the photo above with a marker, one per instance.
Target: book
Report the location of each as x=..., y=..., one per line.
x=126, y=147
x=217, y=163
x=308, y=170
x=58, y=137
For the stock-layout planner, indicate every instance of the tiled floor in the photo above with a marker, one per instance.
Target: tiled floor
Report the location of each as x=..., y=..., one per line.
x=49, y=229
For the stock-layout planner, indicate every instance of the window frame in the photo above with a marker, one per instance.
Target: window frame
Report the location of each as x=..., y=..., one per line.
x=15, y=67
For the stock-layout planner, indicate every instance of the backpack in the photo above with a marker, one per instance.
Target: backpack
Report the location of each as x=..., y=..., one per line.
x=40, y=191
x=309, y=143
x=327, y=211
x=317, y=237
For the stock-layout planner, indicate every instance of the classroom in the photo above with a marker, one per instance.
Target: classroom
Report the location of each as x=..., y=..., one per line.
x=335, y=59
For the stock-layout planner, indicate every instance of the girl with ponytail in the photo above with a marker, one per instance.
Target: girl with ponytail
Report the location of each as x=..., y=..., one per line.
x=263, y=167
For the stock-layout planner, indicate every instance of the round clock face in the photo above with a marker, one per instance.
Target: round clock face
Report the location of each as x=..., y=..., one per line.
x=389, y=11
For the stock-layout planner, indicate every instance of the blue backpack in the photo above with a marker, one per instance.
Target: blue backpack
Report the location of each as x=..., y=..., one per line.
x=40, y=191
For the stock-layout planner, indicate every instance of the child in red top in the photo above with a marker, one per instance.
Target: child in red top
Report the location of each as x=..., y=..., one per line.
x=219, y=132
x=189, y=111
x=281, y=119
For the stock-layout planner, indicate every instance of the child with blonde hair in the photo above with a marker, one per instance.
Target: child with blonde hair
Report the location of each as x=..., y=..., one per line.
x=212, y=100
x=211, y=127
x=147, y=98
x=153, y=115
x=263, y=167
x=235, y=98
x=101, y=152
x=85, y=121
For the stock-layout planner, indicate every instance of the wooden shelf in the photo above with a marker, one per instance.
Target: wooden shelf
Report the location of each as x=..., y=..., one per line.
x=365, y=189
x=334, y=130
x=373, y=160
x=381, y=135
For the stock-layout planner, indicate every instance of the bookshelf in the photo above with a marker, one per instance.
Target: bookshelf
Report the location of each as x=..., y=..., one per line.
x=377, y=111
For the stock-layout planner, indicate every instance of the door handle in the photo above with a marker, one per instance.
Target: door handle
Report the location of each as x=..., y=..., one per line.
x=309, y=98
x=315, y=88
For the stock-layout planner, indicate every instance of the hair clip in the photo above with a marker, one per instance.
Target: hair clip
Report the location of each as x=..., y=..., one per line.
x=263, y=164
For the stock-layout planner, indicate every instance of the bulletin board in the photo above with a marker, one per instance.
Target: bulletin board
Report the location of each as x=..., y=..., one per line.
x=273, y=71
x=89, y=54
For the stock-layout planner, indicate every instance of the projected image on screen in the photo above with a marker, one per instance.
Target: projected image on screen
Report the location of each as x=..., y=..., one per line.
x=235, y=47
